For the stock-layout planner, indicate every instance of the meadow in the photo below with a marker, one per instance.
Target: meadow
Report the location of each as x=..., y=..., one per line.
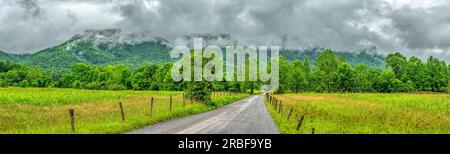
x=362, y=113
x=46, y=110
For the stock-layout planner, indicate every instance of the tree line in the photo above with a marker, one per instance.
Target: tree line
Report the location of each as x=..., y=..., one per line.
x=331, y=73
x=334, y=74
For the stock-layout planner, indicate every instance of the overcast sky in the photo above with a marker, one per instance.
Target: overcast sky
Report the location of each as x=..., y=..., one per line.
x=414, y=27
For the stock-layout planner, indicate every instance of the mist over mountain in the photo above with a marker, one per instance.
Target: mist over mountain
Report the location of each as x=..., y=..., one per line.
x=112, y=46
x=103, y=47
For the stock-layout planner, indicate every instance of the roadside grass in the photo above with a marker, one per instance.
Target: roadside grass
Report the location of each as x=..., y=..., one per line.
x=363, y=113
x=45, y=111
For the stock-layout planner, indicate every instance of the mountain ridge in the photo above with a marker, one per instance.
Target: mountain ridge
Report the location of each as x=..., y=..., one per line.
x=5, y=56
x=112, y=47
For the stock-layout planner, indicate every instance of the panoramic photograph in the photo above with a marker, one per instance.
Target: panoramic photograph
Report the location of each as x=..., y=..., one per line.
x=225, y=74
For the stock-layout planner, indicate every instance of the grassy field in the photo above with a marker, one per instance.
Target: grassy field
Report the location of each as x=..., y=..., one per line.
x=45, y=111
x=363, y=113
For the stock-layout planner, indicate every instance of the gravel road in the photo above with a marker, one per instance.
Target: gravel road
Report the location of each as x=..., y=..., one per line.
x=248, y=116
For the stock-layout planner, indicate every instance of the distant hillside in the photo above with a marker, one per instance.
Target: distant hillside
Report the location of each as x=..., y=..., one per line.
x=5, y=57
x=83, y=49
x=106, y=47
x=368, y=57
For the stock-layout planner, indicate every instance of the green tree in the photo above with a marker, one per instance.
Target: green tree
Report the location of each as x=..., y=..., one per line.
x=120, y=77
x=284, y=82
x=387, y=82
x=200, y=90
x=344, y=78
x=165, y=81
x=438, y=75
x=298, y=77
x=159, y=77
x=307, y=70
x=143, y=78
x=317, y=83
x=327, y=63
x=416, y=72
x=397, y=62
x=365, y=78
x=235, y=86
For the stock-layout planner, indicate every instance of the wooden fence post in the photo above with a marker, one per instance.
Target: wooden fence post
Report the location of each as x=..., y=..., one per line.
x=312, y=130
x=290, y=113
x=151, y=106
x=276, y=105
x=72, y=119
x=280, y=108
x=170, y=108
x=184, y=102
x=300, y=123
x=122, y=113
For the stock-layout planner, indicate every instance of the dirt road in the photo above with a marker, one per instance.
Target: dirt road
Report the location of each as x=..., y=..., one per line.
x=248, y=116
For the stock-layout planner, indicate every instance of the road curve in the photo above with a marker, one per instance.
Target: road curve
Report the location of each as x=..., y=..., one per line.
x=248, y=116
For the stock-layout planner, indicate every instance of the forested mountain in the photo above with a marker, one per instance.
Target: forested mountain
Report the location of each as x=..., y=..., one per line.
x=106, y=47
x=92, y=47
x=5, y=57
x=369, y=57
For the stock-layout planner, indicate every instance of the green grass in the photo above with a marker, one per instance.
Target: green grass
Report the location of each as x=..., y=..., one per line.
x=364, y=113
x=45, y=111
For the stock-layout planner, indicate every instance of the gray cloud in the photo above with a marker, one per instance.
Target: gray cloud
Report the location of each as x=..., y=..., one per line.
x=29, y=25
x=30, y=7
x=424, y=29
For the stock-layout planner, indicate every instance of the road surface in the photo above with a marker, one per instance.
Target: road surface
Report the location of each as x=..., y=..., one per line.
x=248, y=116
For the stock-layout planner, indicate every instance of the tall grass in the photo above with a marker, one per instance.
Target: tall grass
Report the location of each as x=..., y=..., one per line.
x=45, y=111
x=364, y=113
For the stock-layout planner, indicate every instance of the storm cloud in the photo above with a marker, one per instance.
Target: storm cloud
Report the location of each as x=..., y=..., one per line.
x=415, y=28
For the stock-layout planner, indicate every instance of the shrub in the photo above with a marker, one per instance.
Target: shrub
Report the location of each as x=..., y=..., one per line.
x=200, y=90
x=76, y=84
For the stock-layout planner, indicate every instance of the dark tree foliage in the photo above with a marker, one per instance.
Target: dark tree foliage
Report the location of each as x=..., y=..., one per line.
x=298, y=77
x=327, y=64
x=397, y=62
x=21, y=76
x=334, y=74
x=331, y=74
x=344, y=78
